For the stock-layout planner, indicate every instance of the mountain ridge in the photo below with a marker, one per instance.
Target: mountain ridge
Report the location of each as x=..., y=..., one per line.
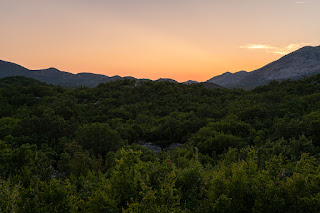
x=57, y=77
x=298, y=64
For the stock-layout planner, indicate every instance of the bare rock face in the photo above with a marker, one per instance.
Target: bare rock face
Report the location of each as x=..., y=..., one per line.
x=153, y=147
x=174, y=146
x=157, y=149
x=301, y=63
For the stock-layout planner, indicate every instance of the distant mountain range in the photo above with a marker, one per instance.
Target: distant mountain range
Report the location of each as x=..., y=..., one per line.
x=57, y=77
x=298, y=64
x=53, y=76
x=301, y=63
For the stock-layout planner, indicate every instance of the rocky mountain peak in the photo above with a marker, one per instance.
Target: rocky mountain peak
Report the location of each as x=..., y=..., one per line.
x=298, y=64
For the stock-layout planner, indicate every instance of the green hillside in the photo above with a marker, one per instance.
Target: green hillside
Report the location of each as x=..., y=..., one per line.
x=76, y=150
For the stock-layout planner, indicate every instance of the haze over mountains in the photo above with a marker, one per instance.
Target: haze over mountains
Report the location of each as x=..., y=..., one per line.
x=301, y=63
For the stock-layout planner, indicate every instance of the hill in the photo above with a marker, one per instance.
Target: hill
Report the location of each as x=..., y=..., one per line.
x=53, y=75
x=92, y=149
x=229, y=79
x=298, y=64
x=66, y=79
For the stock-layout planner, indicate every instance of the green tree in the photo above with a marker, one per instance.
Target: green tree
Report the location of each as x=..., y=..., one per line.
x=98, y=138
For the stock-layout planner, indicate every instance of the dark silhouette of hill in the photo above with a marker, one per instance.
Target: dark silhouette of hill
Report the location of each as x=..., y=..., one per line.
x=211, y=85
x=190, y=82
x=298, y=64
x=53, y=75
x=66, y=79
x=229, y=79
x=167, y=79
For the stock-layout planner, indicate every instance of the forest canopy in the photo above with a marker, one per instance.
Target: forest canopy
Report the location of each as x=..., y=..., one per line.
x=79, y=149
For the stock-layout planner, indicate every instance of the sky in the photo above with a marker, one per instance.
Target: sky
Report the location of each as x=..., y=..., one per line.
x=179, y=39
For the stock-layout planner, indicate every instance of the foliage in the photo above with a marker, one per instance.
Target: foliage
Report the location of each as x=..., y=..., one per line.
x=78, y=150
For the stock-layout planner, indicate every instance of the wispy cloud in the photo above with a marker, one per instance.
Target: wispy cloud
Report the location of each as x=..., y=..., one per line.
x=257, y=46
x=275, y=49
x=300, y=2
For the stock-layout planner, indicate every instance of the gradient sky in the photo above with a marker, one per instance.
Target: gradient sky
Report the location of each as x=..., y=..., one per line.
x=179, y=39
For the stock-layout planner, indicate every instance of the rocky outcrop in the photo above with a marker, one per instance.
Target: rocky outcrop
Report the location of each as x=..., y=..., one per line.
x=157, y=149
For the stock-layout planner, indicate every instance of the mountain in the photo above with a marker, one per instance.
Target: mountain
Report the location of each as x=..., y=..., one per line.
x=190, y=82
x=298, y=64
x=229, y=79
x=66, y=79
x=211, y=85
x=11, y=69
x=55, y=76
x=167, y=80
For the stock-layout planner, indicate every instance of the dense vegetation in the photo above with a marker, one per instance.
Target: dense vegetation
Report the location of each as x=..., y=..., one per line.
x=75, y=150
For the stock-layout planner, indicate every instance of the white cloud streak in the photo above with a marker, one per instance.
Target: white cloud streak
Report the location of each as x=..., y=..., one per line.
x=274, y=49
x=257, y=46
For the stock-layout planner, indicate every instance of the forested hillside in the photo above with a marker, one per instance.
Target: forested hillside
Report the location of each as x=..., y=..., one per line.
x=76, y=150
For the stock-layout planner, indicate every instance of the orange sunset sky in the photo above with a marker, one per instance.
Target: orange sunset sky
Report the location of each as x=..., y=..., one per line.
x=179, y=39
